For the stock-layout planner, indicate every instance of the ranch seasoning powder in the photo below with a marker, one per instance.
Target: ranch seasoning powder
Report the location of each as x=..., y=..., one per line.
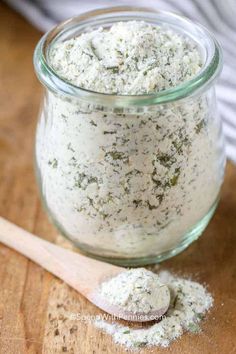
x=189, y=303
x=127, y=184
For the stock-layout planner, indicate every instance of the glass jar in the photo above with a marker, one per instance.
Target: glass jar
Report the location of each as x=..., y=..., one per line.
x=130, y=179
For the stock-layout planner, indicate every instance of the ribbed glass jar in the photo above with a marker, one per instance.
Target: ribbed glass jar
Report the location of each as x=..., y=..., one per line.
x=130, y=179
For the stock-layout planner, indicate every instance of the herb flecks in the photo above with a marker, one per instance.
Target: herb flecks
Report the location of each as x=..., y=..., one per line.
x=106, y=132
x=116, y=156
x=93, y=123
x=53, y=163
x=200, y=126
x=137, y=203
x=82, y=180
x=150, y=206
x=174, y=179
x=166, y=160
x=114, y=69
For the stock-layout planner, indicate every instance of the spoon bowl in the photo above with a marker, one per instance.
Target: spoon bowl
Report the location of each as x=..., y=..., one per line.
x=119, y=313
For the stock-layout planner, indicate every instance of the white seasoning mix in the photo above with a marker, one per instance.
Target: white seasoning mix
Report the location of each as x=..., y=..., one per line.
x=128, y=184
x=189, y=303
x=136, y=291
x=130, y=58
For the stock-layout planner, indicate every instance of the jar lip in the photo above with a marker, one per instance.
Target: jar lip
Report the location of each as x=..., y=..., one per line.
x=208, y=73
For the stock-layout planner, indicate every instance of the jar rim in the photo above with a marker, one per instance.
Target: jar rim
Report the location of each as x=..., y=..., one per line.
x=199, y=83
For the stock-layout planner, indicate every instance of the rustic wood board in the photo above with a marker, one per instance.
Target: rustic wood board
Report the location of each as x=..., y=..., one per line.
x=39, y=313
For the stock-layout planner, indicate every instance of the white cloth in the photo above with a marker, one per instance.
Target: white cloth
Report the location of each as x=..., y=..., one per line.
x=217, y=15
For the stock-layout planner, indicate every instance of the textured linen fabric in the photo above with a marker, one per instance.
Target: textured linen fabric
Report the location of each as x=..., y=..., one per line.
x=218, y=15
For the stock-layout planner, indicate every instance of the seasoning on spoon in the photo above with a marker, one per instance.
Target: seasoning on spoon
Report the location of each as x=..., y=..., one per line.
x=135, y=295
x=190, y=301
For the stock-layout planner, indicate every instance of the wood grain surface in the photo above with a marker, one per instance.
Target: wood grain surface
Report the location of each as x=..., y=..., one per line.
x=39, y=313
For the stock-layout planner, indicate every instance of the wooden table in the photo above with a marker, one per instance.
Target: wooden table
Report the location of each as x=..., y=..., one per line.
x=39, y=313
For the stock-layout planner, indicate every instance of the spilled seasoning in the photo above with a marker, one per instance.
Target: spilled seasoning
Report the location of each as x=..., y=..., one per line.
x=189, y=303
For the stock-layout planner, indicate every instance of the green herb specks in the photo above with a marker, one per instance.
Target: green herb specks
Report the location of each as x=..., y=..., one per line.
x=200, y=126
x=116, y=156
x=53, y=163
x=82, y=180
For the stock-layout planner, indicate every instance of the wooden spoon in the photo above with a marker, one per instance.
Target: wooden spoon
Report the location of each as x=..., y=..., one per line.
x=80, y=272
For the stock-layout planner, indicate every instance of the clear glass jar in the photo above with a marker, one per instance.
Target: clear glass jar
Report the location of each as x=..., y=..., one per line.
x=130, y=179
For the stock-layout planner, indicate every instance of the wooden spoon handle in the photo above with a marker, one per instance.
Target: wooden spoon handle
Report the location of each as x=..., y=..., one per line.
x=80, y=272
